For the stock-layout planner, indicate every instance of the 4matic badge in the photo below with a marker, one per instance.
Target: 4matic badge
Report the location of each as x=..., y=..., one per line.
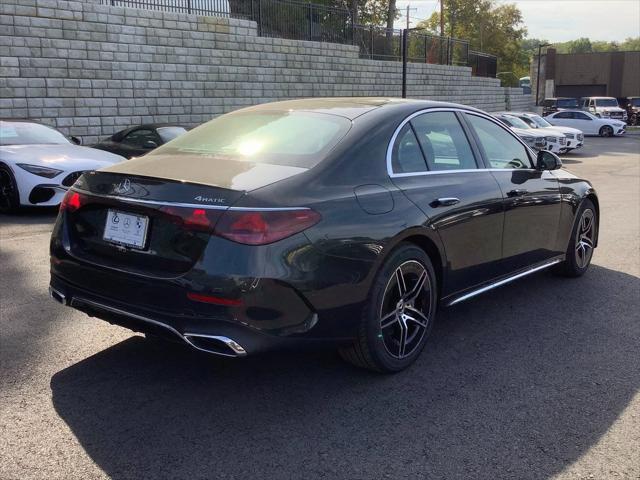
x=201, y=198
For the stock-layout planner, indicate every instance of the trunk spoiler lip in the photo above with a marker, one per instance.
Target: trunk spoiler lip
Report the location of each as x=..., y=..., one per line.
x=187, y=205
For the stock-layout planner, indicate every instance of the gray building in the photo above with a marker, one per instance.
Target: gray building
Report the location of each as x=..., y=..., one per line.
x=611, y=74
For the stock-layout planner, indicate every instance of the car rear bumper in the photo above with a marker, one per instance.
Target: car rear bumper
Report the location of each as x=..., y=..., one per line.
x=210, y=334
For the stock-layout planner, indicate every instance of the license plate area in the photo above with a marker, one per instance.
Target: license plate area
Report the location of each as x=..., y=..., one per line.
x=126, y=229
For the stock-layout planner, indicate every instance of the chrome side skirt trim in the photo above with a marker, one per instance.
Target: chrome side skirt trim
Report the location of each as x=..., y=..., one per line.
x=504, y=281
x=188, y=205
x=232, y=345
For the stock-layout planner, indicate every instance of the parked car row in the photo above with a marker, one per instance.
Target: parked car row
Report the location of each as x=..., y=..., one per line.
x=38, y=164
x=624, y=109
x=540, y=134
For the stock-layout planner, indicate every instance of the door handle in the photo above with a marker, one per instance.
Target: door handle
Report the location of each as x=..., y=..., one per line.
x=517, y=193
x=445, y=202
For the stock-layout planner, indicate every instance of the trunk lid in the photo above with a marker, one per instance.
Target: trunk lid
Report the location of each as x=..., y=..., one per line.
x=175, y=219
x=213, y=171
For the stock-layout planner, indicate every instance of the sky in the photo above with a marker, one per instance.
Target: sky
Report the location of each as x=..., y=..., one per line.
x=557, y=20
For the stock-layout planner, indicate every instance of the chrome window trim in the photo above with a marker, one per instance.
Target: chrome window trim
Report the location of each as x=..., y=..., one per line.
x=389, y=156
x=187, y=205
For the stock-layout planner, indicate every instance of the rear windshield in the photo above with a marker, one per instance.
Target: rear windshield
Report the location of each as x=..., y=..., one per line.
x=567, y=103
x=290, y=138
x=169, y=133
x=25, y=133
x=606, y=102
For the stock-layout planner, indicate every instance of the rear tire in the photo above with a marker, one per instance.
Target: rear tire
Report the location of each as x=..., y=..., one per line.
x=606, y=131
x=9, y=195
x=399, y=314
x=582, y=243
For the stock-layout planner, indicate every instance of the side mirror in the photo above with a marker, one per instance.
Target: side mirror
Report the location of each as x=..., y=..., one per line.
x=547, y=160
x=149, y=144
x=76, y=140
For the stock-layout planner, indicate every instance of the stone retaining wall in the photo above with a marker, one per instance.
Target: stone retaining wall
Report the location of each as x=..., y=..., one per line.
x=91, y=69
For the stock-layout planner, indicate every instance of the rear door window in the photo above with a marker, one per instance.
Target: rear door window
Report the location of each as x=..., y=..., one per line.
x=580, y=116
x=407, y=155
x=443, y=141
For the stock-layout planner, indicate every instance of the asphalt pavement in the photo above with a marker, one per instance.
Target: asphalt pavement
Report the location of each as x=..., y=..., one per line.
x=539, y=379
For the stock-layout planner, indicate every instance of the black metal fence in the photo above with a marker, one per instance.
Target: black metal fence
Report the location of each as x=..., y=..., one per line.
x=295, y=20
x=483, y=64
x=427, y=48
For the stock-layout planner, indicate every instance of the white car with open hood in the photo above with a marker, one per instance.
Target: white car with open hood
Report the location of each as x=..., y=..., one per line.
x=38, y=164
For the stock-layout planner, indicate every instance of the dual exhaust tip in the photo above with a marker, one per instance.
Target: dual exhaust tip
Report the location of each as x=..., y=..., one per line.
x=215, y=344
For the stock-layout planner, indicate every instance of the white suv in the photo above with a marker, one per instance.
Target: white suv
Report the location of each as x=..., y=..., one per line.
x=603, y=107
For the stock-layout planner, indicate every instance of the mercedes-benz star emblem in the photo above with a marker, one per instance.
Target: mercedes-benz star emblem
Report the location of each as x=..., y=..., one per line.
x=123, y=187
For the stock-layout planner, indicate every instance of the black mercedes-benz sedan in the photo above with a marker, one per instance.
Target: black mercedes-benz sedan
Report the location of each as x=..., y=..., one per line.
x=140, y=139
x=339, y=221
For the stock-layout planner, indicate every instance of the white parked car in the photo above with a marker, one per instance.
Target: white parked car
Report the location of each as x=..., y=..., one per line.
x=554, y=142
x=588, y=123
x=38, y=164
x=575, y=137
x=603, y=107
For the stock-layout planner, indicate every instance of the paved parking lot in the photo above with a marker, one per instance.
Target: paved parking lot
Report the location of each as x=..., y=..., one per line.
x=539, y=379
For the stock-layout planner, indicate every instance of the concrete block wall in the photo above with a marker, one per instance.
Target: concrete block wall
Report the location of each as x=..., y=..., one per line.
x=90, y=69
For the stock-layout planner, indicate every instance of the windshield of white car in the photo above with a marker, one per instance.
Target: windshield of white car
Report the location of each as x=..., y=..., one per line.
x=539, y=121
x=606, y=102
x=25, y=133
x=635, y=102
x=169, y=133
x=514, y=122
x=567, y=103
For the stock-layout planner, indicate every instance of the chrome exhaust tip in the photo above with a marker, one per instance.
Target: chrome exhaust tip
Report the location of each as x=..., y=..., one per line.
x=57, y=296
x=216, y=344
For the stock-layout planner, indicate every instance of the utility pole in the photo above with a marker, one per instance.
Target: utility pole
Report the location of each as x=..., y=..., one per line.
x=408, y=9
x=442, y=18
x=540, y=47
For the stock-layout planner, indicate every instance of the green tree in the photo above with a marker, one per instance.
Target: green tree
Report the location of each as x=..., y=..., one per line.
x=630, y=44
x=489, y=27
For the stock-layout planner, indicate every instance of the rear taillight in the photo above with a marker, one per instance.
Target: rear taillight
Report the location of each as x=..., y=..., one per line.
x=198, y=219
x=72, y=201
x=250, y=227
x=253, y=227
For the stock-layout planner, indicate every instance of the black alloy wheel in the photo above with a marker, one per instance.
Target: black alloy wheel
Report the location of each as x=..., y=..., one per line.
x=606, y=131
x=9, y=196
x=400, y=313
x=583, y=240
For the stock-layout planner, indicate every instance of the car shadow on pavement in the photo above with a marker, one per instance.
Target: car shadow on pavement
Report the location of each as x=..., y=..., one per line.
x=518, y=383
